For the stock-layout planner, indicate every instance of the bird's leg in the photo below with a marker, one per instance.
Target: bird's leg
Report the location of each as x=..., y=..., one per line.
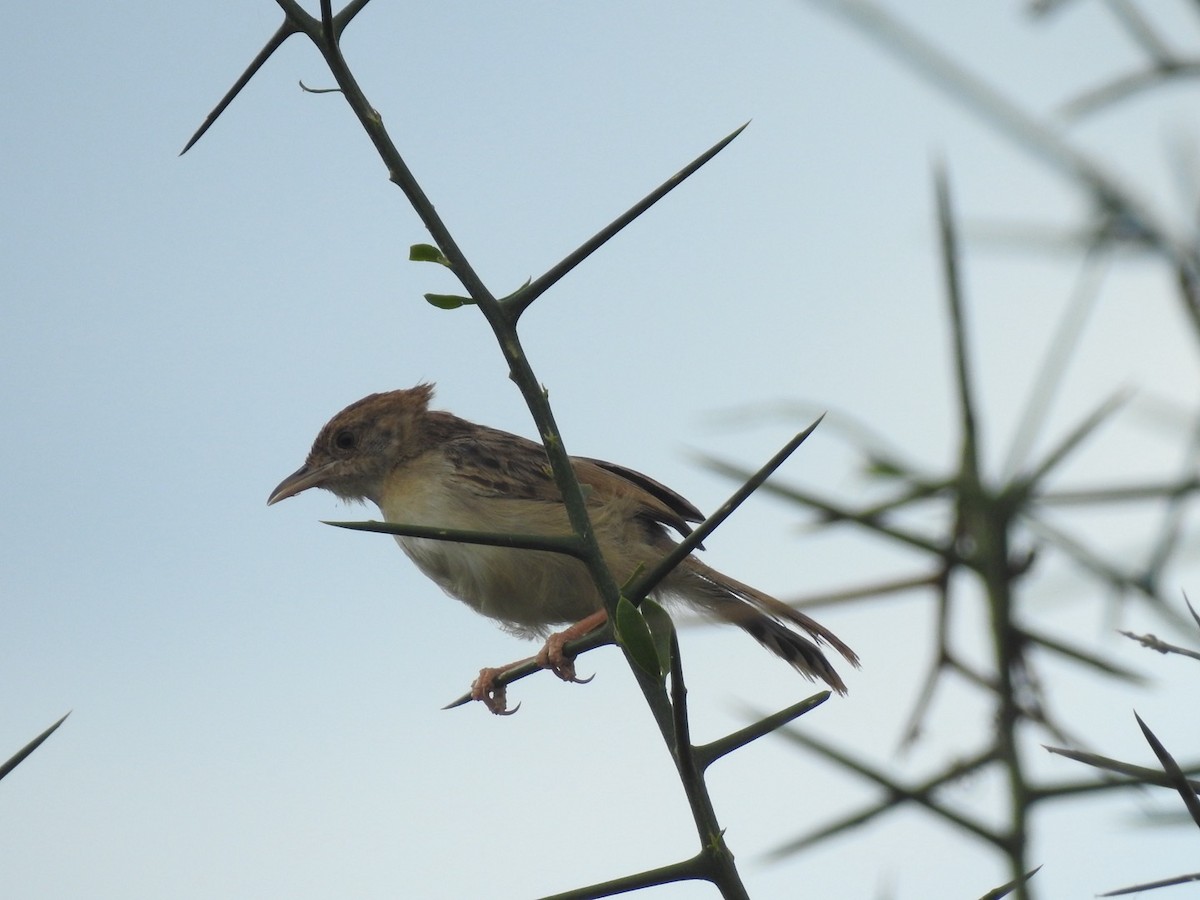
x=552, y=657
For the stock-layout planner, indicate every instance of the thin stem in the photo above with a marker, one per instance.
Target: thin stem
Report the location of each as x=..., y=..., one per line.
x=722, y=871
x=983, y=526
x=1053, y=366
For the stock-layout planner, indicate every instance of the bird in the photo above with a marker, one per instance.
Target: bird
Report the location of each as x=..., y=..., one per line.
x=428, y=467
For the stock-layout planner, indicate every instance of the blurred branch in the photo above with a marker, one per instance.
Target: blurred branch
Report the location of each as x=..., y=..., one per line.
x=1043, y=141
x=864, y=591
x=1139, y=30
x=1079, y=655
x=1005, y=889
x=895, y=794
x=1131, y=493
x=942, y=660
x=828, y=510
x=1059, y=351
x=1152, y=885
x=1136, y=775
x=1164, y=64
x=1071, y=442
x=969, y=469
x=1150, y=641
x=1126, y=86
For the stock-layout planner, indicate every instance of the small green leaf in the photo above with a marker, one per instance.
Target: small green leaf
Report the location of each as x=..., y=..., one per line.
x=661, y=628
x=634, y=635
x=448, y=301
x=427, y=253
x=883, y=468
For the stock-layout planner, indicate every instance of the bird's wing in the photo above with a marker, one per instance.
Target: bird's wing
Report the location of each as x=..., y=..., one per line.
x=498, y=464
x=661, y=503
x=495, y=463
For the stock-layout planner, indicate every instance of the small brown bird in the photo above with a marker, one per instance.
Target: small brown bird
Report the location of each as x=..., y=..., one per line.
x=428, y=467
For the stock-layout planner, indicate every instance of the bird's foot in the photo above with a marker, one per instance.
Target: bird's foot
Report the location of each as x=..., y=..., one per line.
x=493, y=696
x=552, y=655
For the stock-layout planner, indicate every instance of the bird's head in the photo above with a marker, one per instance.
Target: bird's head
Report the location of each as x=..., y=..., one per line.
x=360, y=446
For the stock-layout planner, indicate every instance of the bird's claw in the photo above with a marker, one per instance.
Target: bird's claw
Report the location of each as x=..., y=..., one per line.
x=552, y=657
x=493, y=696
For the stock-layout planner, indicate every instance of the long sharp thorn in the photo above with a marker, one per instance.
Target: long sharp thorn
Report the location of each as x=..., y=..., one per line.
x=17, y=758
x=522, y=298
x=285, y=31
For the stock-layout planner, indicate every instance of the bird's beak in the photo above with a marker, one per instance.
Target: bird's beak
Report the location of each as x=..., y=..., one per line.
x=300, y=480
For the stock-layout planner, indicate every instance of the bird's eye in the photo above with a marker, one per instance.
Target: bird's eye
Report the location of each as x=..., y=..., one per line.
x=345, y=440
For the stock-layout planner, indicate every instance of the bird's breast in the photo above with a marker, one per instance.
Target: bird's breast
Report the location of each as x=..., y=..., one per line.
x=527, y=591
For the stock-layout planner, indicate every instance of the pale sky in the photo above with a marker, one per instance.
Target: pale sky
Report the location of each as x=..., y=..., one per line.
x=256, y=696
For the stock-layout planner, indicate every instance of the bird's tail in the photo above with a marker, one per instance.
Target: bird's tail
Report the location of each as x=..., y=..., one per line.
x=763, y=617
